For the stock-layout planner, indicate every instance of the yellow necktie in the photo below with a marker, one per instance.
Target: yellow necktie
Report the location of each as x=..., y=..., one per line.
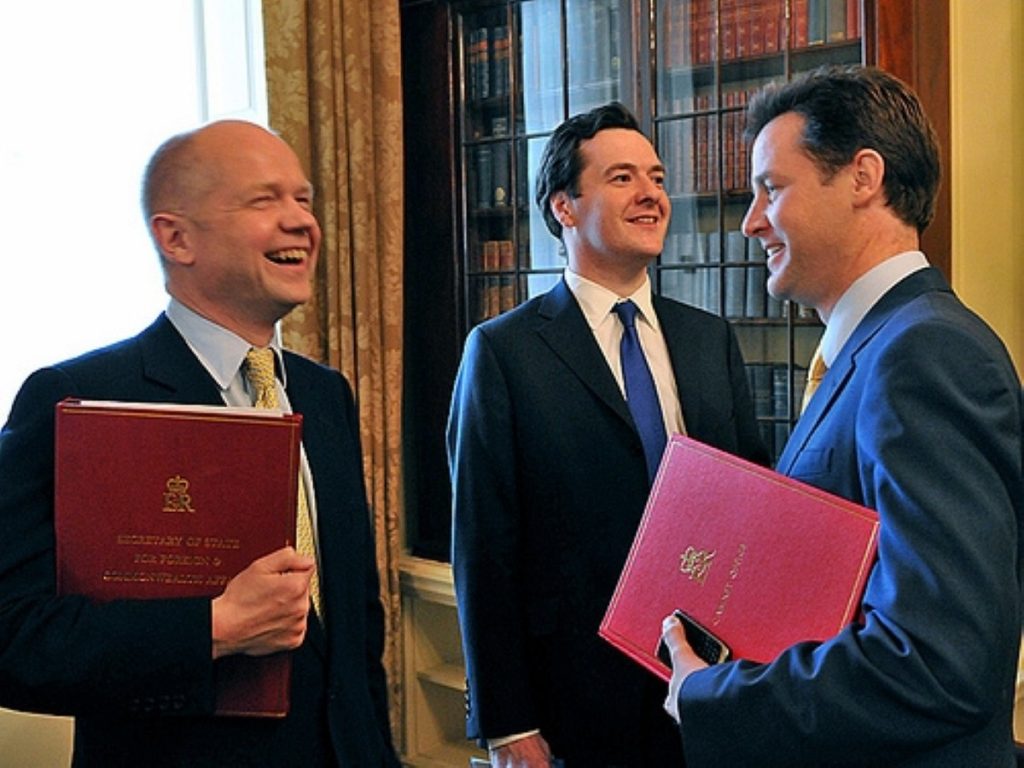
x=260, y=370
x=815, y=373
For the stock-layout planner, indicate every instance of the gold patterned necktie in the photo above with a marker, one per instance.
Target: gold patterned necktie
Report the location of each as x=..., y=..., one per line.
x=816, y=371
x=260, y=370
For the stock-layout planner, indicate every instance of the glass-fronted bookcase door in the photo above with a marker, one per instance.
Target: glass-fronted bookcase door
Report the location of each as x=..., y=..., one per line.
x=563, y=57
x=525, y=67
x=709, y=57
x=686, y=68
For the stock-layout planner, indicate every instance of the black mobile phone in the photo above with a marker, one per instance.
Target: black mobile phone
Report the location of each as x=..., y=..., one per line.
x=704, y=642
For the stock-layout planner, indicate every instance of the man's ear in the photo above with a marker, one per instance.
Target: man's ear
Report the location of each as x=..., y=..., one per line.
x=562, y=208
x=868, y=175
x=171, y=235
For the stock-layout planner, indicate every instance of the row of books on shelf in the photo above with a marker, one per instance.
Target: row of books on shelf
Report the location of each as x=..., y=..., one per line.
x=593, y=50
x=593, y=44
x=703, y=268
x=493, y=256
x=750, y=29
x=487, y=63
x=723, y=273
x=492, y=168
x=745, y=297
x=589, y=65
x=491, y=295
x=700, y=282
x=742, y=288
x=689, y=147
x=770, y=388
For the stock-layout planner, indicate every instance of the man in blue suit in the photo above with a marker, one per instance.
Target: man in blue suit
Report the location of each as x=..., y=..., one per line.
x=229, y=209
x=549, y=472
x=917, y=417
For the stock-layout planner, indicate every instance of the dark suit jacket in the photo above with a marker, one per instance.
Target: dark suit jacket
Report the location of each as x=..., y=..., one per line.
x=919, y=418
x=137, y=675
x=549, y=485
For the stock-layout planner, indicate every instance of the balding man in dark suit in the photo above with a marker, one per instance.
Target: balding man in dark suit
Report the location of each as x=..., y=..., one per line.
x=229, y=209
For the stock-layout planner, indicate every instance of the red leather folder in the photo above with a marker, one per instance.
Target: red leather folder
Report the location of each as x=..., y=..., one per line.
x=760, y=559
x=167, y=501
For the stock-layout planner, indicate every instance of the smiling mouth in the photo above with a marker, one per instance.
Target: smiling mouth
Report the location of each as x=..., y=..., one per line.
x=644, y=220
x=287, y=256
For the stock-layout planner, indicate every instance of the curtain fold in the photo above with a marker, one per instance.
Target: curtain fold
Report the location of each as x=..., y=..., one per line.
x=334, y=94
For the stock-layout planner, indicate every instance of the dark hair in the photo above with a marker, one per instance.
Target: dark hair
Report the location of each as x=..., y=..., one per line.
x=852, y=108
x=561, y=163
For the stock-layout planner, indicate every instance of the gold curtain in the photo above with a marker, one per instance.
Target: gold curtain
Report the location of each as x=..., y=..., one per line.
x=334, y=94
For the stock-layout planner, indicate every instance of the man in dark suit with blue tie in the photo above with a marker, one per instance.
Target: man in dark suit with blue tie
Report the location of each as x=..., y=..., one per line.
x=918, y=417
x=230, y=211
x=551, y=461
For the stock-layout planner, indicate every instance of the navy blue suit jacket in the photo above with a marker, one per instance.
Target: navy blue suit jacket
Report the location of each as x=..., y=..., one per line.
x=919, y=418
x=137, y=675
x=549, y=485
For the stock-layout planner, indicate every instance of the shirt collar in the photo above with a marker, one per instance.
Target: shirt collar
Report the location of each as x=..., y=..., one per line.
x=221, y=351
x=862, y=295
x=597, y=302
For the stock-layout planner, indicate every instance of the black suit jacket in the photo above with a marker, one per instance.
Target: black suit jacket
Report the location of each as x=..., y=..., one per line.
x=549, y=484
x=137, y=675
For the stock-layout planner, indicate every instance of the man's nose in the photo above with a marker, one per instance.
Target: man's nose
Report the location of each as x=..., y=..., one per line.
x=753, y=221
x=299, y=216
x=648, y=189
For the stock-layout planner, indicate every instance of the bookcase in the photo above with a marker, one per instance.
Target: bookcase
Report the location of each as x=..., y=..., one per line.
x=486, y=81
x=709, y=58
x=568, y=58
x=687, y=69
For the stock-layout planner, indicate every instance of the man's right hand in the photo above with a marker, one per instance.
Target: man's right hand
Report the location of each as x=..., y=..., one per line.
x=528, y=752
x=264, y=608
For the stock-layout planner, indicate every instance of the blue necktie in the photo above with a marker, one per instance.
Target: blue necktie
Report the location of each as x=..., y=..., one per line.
x=641, y=396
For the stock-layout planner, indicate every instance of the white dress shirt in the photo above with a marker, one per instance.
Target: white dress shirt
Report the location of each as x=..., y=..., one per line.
x=861, y=296
x=222, y=353
x=597, y=303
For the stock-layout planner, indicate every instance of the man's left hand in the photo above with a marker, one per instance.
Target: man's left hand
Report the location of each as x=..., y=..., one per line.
x=684, y=661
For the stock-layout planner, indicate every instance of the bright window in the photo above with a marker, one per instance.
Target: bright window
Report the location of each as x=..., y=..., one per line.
x=89, y=90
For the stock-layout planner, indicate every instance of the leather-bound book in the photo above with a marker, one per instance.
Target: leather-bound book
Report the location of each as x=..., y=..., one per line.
x=761, y=560
x=168, y=501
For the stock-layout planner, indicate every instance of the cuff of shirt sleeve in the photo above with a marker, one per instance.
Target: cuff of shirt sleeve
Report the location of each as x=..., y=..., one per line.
x=504, y=741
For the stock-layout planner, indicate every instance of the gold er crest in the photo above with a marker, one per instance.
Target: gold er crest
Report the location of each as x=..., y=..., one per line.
x=176, y=496
x=696, y=563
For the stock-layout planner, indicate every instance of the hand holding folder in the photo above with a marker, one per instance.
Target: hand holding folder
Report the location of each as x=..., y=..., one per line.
x=167, y=501
x=759, y=559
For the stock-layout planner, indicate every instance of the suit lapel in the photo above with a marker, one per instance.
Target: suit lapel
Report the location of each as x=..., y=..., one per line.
x=564, y=329
x=845, y=364
x=315, y=439
x=684, y=356
x=169, y=364
x=171, y=369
